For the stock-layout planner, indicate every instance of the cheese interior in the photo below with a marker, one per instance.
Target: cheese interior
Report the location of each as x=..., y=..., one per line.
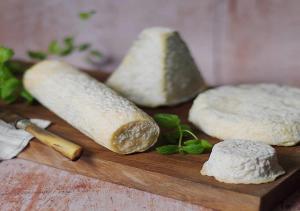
x=134, y=137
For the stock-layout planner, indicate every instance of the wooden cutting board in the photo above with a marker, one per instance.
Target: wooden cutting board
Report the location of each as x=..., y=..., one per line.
x=175, y=176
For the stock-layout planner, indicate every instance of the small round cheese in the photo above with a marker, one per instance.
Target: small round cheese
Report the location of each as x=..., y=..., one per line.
x=242, y=162
x=264, y=112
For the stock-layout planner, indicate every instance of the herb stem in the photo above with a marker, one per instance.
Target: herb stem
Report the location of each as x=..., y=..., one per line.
x=192, y=134
x=180, y=136
x=176, y=132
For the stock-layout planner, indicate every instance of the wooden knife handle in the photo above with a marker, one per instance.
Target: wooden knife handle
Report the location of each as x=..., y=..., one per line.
x=63, y=146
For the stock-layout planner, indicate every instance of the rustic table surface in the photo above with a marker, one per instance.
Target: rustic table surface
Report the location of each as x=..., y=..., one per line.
x=25, y=185
x=29, y=186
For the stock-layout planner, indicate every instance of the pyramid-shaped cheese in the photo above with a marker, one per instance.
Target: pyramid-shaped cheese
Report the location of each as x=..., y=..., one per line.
x=158, y=70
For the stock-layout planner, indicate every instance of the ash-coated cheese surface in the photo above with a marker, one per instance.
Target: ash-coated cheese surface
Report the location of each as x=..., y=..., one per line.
x=264, y=112
x=242, y=162
x=158, y=70
x=91, y=107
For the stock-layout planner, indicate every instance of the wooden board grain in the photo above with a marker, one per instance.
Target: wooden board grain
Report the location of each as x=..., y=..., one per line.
x=175, y=176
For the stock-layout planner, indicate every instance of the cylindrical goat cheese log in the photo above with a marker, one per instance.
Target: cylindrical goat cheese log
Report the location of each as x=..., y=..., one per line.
x=90, y=106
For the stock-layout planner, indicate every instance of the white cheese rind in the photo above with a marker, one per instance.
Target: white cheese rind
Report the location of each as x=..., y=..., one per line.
x=91, y=107
x=264, y=112
x=242, y=162
x=158, y=70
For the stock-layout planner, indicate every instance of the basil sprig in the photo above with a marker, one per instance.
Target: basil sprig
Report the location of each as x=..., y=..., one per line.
x=86, y=15
x=11, y=88
x=68, y=46
x=175, y=135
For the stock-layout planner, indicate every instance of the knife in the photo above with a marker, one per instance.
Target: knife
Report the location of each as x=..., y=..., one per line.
x=63, y=146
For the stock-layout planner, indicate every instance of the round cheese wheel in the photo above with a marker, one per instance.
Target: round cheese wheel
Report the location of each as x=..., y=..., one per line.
x=242, y=162
x=264, y=112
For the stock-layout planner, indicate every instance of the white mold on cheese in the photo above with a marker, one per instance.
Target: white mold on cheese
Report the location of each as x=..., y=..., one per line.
x=242, y=162
x=265, y=112
x=158, y=70
x=91, y=107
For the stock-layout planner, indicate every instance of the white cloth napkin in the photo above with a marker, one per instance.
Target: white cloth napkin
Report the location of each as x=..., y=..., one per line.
x=13, y=141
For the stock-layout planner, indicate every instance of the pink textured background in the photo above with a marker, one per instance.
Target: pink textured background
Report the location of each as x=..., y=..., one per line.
x=232, y=41
x=29, y=186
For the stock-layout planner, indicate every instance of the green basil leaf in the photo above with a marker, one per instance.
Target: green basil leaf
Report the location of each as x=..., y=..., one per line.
x=84, y=47
x=54, y=48
x=9, y=89
x=97, y=54
x=86, y=15
x=69, y=46
x=16, y=66
x=167, y=120
x=27, y=96
x=38, y=55
x=69, y=41
x=185, y=127
x=206, y=145
x=167, y=149
x=95, y=57
x=5, y=74
x=192, y=142
x=11, y=99
x=193, y=149
x=5, y=54
x=171, y=137
x=66, y=52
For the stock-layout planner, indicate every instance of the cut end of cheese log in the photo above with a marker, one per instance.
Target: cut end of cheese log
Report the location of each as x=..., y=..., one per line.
x=158, y=70
x=136, y=136
x=94, y=109
x=242, y=162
